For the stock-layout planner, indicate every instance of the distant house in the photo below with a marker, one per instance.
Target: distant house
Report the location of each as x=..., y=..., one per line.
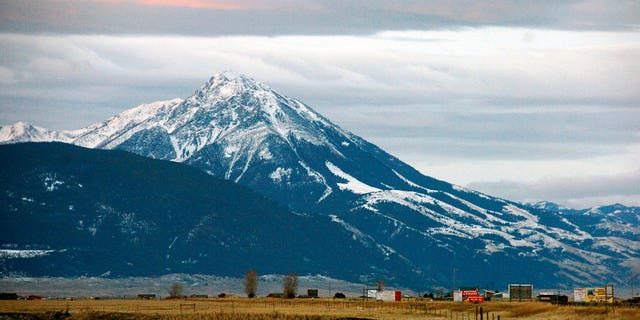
x=147, y=296
x=498, y=296
x=553, y=298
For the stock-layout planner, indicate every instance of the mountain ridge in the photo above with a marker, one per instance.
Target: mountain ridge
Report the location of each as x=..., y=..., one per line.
x=71, y=211
x=241, y=130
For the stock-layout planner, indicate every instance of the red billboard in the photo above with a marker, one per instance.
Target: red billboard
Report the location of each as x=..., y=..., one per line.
x=475, y=299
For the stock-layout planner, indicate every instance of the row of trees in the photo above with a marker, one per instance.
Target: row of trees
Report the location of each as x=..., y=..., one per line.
x=289, y=284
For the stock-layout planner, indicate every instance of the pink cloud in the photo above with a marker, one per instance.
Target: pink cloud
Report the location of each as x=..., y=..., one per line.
x=205, y=4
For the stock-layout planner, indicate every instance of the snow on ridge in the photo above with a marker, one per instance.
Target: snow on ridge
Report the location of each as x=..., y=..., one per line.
x=26, y=132
x=530, y=219
x=617, y=244
x=366, y=240
x=117, y=129
x=521, y=234
x=14, y=253
x=415, y=201
x=354, y=185
x=463, y=189
x=513, y=242
x=280, y=175
x=357, y=234
x=411, y=183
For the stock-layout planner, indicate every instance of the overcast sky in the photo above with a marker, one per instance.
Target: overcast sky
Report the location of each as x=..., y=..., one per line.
x=527, y=100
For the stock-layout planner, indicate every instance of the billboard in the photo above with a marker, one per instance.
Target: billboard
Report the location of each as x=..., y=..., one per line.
x=596, y=295
x=469, y=295
x=471, y=292
x=579, y=295
x=609, y=290
x=389, y=295
x=475, y=299
x=520, y=292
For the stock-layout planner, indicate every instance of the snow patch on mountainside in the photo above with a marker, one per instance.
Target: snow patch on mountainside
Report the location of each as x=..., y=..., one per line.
x=13, y=253
x=280, y=175
x=115, y=130
x=354, y=185
x=411, y=183
x=51, y=182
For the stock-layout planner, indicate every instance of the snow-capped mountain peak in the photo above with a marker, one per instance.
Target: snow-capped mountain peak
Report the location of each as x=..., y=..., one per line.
x=239, y=129
x=23, y=132
x=18, y=129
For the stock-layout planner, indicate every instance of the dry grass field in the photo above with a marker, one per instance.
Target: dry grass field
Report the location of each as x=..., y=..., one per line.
x=321, y=309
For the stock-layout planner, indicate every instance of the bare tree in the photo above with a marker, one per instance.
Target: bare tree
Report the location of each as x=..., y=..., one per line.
x=380, y=285
x=290, y=285
x=251, y=283
x=176, y=290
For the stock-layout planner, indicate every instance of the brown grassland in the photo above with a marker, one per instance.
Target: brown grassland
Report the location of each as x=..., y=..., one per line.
x=321, y=309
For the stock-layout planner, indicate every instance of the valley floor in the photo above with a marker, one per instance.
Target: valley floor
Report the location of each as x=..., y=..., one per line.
x=321, y=309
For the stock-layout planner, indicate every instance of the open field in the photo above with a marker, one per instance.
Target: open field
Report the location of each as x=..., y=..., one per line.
x=263, y=308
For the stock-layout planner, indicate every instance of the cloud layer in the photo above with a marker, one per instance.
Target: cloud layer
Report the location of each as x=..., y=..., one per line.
x=287, y=17
x=527, y=100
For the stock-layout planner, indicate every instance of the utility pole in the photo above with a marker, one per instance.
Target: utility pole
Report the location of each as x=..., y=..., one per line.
x=454, y=281
x=633, y=282
x=454, y=273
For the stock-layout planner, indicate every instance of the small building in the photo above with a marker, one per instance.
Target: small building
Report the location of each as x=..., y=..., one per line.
x=545, y=296
x=8, y=296
x=553, y=298
x=498, y=296
x=147, y=296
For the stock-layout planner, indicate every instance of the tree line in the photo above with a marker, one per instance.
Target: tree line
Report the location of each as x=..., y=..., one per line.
x=250, y=283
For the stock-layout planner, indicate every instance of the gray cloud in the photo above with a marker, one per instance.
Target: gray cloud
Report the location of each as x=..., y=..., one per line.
x=575, y=192
x=456, y=99
x=309, y=17
x=484, y=132
x=483, y=86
